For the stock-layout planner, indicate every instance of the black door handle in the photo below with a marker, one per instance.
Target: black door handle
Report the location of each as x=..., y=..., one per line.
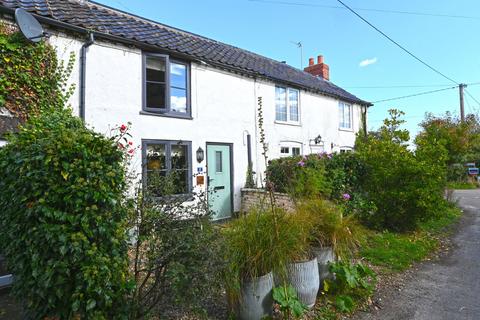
x=219, y=188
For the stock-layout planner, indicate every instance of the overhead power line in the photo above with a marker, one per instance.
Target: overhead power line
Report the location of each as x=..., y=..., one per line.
x=397, y=44
x=397, y=86
x=413, y=13
x=415, y=94
x=471, y=96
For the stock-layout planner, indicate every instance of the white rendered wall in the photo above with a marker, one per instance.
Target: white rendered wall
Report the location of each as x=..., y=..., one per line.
x=224, y=107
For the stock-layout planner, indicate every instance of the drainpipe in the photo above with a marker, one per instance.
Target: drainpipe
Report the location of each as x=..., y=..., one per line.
x=83, y=66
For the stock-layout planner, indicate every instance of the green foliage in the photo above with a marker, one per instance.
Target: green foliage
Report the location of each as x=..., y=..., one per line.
x=352, y=282
x=345, y=172
x=395, y=251
x=177, y=253
x=329, y=227
x=260, y=242
x=405, y=187
x=250, y=180
x=32, y=78
x=302, y=177
x=461, y=140
x=63, y=223
x=462, y=185
x=287, y=299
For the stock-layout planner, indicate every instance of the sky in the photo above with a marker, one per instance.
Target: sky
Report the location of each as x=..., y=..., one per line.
x=361, y=60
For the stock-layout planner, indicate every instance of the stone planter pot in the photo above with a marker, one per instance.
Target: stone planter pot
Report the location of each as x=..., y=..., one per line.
x=324, y=255
x=303, y=276
x=256, y=300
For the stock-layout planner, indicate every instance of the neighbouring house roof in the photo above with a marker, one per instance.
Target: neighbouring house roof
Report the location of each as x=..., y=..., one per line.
x=106, y=21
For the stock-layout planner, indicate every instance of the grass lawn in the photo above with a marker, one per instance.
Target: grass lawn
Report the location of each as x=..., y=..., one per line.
x=462, y=185
x=397, y=252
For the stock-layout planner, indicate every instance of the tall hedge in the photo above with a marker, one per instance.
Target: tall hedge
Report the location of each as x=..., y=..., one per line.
x=62, y=223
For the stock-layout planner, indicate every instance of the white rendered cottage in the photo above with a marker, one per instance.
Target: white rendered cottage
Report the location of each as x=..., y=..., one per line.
x=185, y=93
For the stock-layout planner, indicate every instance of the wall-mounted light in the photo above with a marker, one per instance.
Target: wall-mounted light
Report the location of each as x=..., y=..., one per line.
x=318, y=139
x=200, y=154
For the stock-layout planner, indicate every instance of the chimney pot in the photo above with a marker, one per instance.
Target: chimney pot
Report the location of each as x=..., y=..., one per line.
x=320, y=69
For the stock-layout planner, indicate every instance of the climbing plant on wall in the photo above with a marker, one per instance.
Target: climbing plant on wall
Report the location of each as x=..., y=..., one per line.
x=31, y=77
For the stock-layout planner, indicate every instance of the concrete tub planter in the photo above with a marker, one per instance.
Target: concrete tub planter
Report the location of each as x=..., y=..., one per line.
x=303, y=276
x=325, y=256
x=256, y=301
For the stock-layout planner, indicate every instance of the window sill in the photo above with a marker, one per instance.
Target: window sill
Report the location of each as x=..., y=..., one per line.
x=294, y=124
x=345, y=129
x=166, y=115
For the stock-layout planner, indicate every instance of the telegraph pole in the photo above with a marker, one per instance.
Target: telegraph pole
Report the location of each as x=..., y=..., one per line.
x=462, y=86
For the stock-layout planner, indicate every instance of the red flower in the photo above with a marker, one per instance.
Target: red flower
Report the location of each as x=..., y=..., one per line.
x=123, y=128
x=131, y=151
x=130, y=142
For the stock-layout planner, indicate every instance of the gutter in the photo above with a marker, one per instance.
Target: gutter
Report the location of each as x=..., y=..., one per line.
x=83, y=73
x=143, y=45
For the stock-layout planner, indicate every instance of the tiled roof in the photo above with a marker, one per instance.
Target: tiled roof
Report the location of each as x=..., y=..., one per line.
x=105, y=20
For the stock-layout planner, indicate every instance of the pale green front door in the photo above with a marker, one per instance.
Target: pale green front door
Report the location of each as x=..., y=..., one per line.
x=219, y=180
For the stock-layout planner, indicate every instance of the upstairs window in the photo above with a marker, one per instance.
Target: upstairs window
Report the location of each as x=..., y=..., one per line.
x=345, y=115
x=287, y=104
x=166, y=85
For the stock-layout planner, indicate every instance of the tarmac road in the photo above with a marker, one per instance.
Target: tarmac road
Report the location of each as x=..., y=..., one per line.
x=447, y=289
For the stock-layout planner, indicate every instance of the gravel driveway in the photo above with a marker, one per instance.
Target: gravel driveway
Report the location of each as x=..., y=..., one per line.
x=446, y=289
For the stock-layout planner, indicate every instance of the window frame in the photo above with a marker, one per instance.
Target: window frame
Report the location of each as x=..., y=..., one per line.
x=341, y=114
x=290, y=145
x=168, y=155
x=287, y=104
x=166, y=111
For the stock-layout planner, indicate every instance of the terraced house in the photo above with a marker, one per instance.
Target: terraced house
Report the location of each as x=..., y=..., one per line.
x=192, y=101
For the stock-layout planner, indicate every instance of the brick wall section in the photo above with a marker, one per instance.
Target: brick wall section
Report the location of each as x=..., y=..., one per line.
x=259, y=198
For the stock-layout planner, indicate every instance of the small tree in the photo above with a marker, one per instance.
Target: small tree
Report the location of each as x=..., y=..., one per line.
x=63, y=224
x=404, y=186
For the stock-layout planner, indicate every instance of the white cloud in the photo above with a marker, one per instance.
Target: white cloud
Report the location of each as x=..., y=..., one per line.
x=367, y=62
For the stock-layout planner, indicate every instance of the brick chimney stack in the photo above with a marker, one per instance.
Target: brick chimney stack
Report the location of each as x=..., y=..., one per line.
x=318, y=70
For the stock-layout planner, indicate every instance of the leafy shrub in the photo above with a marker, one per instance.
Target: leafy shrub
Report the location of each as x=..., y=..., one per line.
x=351, y=283
x=176, y=255
x=345, y=172
x=62, y=226
x=287, y=299
x=405, y=187
x=302, y=177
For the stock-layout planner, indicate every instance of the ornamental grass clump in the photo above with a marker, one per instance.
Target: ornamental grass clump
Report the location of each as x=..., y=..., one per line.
x=261, y=242
x=63, y=223
x=329, y=228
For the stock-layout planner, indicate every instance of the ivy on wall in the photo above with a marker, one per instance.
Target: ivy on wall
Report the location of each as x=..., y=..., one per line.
x=31, y=77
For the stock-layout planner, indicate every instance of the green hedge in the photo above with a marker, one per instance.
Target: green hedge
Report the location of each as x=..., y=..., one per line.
x=62, y=226
x=302, y=177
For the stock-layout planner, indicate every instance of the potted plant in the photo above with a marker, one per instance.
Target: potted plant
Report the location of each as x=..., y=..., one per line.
x=332, y=234
x=302, y=271
x=249, y=260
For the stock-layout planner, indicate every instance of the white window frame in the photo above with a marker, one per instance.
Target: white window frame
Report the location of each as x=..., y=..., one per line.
x=287, y=104
x=341, y=116
x=290, y=145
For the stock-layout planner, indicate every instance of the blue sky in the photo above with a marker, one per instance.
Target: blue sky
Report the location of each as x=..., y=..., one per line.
x=450, y=45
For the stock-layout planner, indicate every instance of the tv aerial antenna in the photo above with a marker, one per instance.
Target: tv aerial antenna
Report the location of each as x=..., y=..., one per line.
x=300, y=46
x=29, y=26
